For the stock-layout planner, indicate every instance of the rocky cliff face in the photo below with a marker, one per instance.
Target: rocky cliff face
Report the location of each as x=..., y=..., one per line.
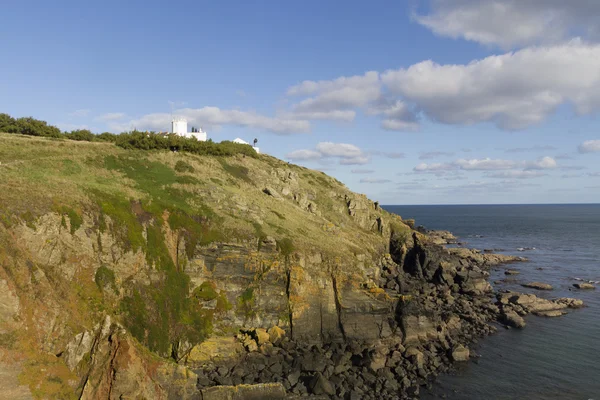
x=161, y=275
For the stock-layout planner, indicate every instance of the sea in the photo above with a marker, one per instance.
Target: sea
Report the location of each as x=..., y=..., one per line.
x=552, y=358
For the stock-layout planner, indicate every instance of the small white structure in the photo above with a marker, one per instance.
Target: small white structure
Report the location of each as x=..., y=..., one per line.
x=179, y=127
x=240, y=141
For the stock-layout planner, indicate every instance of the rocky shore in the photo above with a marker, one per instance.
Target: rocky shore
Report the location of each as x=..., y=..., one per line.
x=444, y=304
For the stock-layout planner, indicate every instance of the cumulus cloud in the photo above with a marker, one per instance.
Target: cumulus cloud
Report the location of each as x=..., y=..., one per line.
x=434, y=154
x=510, y=23
x=516, y=174
x=303, y=155
x=590, y=146
x=347, y=154
x=374, y=180
x=396, y=114
x=214, y=117
x=486, y=164
x=513, y=90
x=334, y=99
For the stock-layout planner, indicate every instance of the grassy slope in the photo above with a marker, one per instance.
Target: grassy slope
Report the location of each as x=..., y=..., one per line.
x=42, y=175
x=209, y=198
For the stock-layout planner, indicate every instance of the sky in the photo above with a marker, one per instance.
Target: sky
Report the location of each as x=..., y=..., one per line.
x=409, y=102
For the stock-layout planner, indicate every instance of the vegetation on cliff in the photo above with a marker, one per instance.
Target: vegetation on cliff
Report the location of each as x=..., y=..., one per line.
x=91, y=229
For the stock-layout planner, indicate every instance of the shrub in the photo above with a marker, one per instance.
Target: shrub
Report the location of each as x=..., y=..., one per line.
x=81, y=135
x=182, y=166
x=105, y=277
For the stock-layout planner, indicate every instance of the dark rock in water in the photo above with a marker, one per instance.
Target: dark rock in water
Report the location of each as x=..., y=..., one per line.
x=511, y=272
x=512, y=319
x=538, y=286
x=584, y=285
x=460, y=354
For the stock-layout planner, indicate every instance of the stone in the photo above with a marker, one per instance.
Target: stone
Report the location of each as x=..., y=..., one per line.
x=538, y=286
x=262, y=391
x=262, y=336
x=513, y=319
x=276, y=334
x=319, y=385
x=569, y=302
x=551, y=313
x=214, y=349
x=511, y=272
x=586, y=286
x=460, y=354
x=272, y=192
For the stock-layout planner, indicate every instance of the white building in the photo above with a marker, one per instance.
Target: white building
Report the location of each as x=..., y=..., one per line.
x=240, y=141
x=179, y=127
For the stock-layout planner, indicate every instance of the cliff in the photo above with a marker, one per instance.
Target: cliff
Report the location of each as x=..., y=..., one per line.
x=141, y=274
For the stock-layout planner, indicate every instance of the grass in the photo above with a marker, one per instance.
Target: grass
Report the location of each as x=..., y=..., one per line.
x=150, y=201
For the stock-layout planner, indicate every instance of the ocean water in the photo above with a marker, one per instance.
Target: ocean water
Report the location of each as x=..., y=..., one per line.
x=552, y=358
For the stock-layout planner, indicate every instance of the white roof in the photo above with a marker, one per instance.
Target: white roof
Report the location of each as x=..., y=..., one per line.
x=240, y=141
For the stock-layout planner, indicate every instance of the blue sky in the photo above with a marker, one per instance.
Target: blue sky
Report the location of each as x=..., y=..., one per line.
x=409, y=102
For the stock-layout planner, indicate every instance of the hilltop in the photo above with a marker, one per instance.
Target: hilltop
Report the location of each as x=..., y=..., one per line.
x=160, y=274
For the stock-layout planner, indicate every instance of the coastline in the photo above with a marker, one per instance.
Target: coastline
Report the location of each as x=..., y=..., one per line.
x=446, y=304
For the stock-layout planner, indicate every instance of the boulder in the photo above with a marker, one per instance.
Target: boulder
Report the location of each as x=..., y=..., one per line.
x=272, y=192
x=538, y=286
x=319, y=385
x=460, y=354
x=551, y=313
x=513, y=319
x=276, y=334
x=261, y=335
x=584, y=285
x=263, y=391
x=569, y=302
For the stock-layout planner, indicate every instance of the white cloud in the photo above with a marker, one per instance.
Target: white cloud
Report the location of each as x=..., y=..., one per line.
x=509, y=23
x=334, y=99
x=374, y=180
x=397, y=115
x=214, y=117
x=486, y=164
x=590, y=146
x=302, y=155
x=84, y=112
x=434, y=154
x=542, y=163
x=347, y=154
x=116, y=116
x=512, y=174
x=513, y=90
x=362, y=171
x=330, y=149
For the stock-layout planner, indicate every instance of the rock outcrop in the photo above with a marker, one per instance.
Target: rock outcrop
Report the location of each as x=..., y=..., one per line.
x=128, y=275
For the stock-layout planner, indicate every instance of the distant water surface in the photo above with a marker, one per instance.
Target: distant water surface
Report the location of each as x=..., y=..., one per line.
x=552, y=358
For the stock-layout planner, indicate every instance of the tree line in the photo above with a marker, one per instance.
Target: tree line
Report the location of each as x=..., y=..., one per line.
x=127, y=140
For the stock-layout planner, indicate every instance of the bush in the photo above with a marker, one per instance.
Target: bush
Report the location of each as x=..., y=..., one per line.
x=106, y=137
x=28, y=126
x=81, y=135
x=182, y=166
x=105, y=277
x=154, y=141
